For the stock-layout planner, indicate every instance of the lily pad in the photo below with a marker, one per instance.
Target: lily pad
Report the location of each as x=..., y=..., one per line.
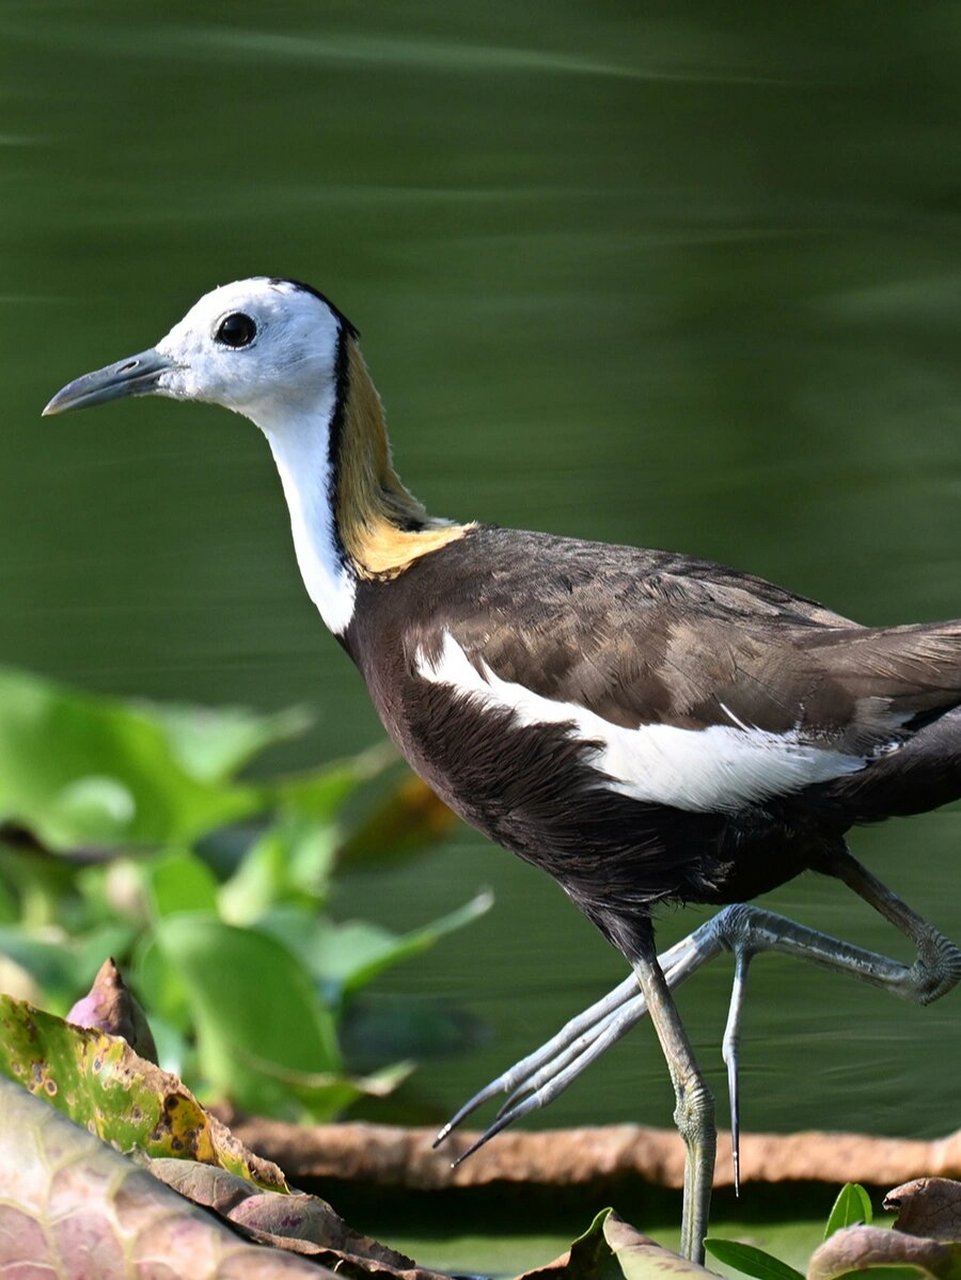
x=69, y=1201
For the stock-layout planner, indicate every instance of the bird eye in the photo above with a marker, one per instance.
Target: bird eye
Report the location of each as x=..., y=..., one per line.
x=236, y=330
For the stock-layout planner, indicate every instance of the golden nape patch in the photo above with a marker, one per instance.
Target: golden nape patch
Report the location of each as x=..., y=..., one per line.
x=382, y=526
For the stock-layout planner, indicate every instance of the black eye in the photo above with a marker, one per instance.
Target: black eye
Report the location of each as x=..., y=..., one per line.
x=236, y=330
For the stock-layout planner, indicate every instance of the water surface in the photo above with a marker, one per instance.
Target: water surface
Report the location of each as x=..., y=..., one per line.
x=685, y=275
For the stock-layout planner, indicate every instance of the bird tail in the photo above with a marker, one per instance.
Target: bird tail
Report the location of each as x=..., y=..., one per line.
x=905, y=686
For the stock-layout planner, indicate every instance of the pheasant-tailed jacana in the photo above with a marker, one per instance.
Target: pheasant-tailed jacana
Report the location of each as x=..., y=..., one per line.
x=644, y=726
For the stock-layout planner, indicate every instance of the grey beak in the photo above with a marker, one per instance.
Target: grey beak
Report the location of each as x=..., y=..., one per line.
x=135, y=376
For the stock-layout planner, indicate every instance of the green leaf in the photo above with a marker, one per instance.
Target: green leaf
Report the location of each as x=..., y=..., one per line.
x=181, y=882
x=750, y=1260
x=63, y=966
x=289, y=863
x=99, y=1082
x=162, y=988
x=251, y=1000
x=212, y=745
x=94, y=808
x=320, y=794
x=9, y=908
x=852, y=1206
x=48, y=959
x=324, y=1095
x=82, y=770
x=346, y=957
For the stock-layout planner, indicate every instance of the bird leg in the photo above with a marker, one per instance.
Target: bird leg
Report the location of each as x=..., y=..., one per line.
x=543, y=1075
x=745, y=930
x=694, y=1113
x=936, y=969
x=937, y=965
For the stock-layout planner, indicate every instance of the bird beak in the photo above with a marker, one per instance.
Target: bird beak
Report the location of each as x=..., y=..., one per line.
x=136, y=376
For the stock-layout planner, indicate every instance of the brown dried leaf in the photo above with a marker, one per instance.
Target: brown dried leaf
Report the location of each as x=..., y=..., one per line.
x=204, y=1184
x=303, y=1223
x=856, y=1248
x=110, y=1006
x=304, y=1217
x=927, y=1207
x=612, y=1247
x=639, y=1255
x=300, y=1223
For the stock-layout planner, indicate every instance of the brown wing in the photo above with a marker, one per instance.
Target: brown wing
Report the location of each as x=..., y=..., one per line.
x=648, y=637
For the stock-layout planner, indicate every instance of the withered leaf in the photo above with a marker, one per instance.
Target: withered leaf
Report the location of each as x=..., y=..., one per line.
x=857, y=1248
x=927, y=1207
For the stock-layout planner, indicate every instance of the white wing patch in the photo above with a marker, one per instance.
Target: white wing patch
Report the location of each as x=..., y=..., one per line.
x=703, y=770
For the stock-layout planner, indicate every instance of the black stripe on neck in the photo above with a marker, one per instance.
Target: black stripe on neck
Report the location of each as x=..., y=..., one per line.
x=336, y=434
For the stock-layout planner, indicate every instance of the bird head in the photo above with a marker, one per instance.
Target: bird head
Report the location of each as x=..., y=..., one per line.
x=268, y=349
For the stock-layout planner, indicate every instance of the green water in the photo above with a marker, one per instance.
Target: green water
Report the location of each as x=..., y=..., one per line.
x=678, y=274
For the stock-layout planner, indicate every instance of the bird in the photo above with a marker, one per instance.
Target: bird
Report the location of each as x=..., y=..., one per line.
x=647, y=727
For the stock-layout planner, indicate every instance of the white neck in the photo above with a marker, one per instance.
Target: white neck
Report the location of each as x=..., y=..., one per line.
x=299, y=441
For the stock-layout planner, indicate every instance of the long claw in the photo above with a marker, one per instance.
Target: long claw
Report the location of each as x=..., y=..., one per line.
x=557, y=1052
x=490, y=1132
x=535, y=1081
x=545, y=1073
x=536, y=1089
x=489, y=1091
x=746, y=931
x=731, y=1051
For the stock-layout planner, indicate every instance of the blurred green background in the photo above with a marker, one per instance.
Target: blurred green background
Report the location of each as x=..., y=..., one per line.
x=679, y=274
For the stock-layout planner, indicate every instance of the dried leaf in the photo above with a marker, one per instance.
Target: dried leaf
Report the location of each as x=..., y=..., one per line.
x=861, y=1248
x=110, y=1006
x=641, y=1258
x=928, y=1207
x=611, y=1249
x=298, y=1222
x=204, y=1184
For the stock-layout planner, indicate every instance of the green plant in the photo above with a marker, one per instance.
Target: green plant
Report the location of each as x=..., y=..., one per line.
x=852, y=1207
x=128, y=830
